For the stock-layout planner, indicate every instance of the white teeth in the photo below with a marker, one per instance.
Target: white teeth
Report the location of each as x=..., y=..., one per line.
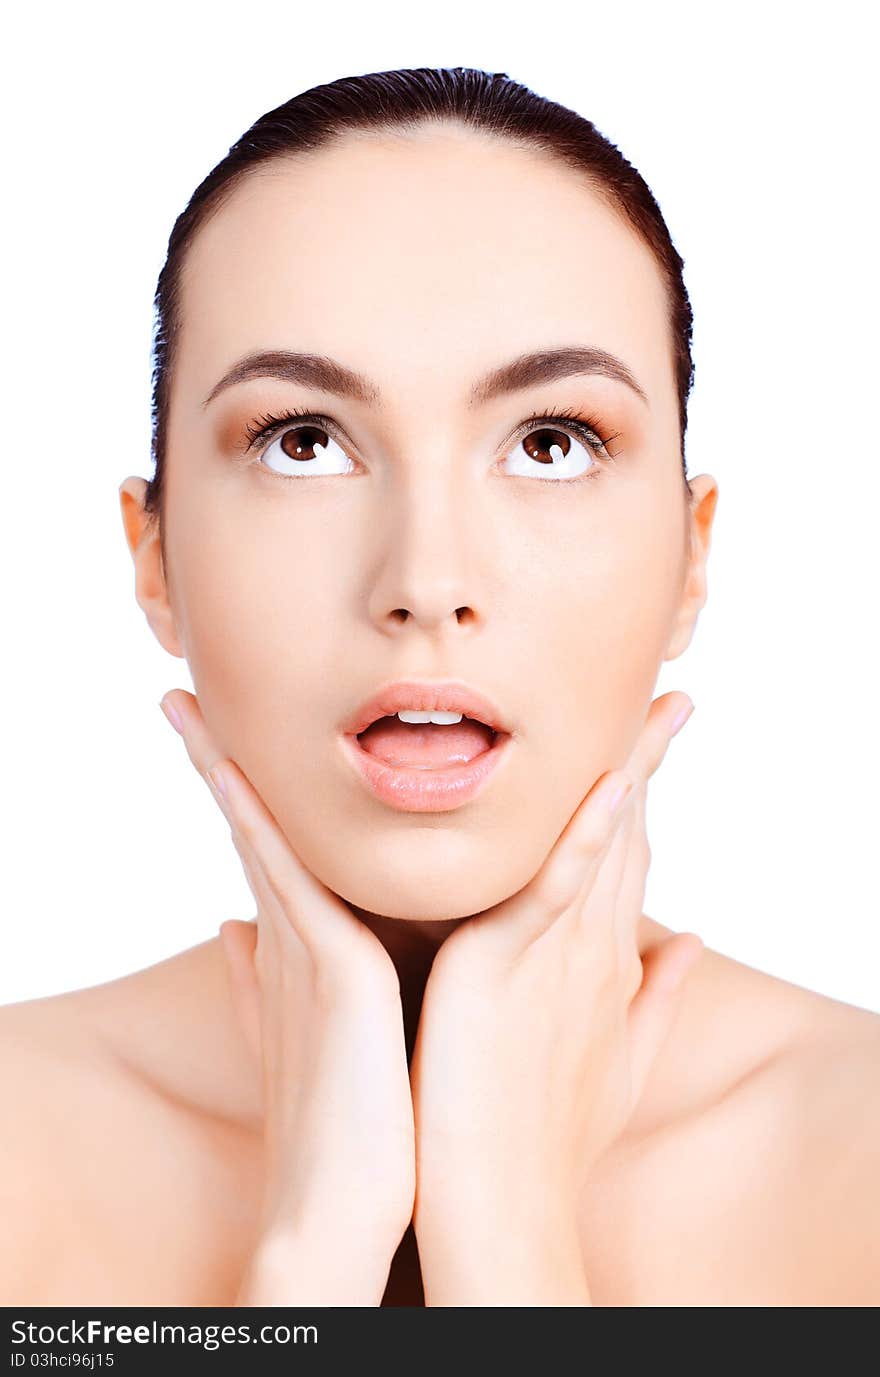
x=443, y=719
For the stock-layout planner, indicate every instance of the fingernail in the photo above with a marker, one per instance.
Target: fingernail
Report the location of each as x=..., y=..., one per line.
x=679, y=721
x=173, y=715
x=217, y=782
x=619, y=796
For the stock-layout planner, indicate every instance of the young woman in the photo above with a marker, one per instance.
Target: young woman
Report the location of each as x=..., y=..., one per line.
x=421, y=527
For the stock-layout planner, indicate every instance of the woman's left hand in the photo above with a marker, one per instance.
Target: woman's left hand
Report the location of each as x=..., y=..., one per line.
x=539, y=1025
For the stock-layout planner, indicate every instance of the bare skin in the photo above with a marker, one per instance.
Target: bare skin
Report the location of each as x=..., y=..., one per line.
x=138, y=1167
x=133, y=1161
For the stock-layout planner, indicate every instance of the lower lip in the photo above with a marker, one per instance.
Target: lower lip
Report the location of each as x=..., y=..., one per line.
x=426, y=791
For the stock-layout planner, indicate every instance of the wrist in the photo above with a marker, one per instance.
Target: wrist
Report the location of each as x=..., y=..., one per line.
x=490, y=1258
x=334, y=1266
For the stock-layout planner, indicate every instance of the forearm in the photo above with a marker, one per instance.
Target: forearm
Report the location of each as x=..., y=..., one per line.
x=333, y=1268
x=486, y=1262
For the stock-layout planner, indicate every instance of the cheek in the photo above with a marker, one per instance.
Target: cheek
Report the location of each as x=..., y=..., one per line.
x=259, y=620
x=599, y=647
x=607, y=650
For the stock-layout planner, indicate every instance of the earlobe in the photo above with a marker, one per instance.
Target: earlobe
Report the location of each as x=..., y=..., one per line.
x=701, y=514
x=151, y=589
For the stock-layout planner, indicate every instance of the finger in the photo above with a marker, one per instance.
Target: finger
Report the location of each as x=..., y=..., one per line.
x=269, y=910
x=632, y=890
x=570, y=868
x=613, y=887
x=630, y=894
x=652, y=1011
x=238, y=941
x=665, y=718
x=315, y=913
x=598, y=917
x=644, y=761
x=184, y=712
x=573, y=863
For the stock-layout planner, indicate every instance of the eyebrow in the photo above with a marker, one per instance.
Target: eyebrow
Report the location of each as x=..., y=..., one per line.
x=319, y=371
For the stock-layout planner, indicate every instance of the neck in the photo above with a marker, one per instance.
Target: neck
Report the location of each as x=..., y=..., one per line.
x=409, y=942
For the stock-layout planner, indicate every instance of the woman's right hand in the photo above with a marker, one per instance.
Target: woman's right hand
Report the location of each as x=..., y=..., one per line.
x=318, y=999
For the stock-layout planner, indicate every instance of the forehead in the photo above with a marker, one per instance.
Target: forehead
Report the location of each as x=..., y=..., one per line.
x=420, y=260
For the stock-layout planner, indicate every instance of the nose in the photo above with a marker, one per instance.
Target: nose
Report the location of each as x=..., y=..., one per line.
x=428, y=571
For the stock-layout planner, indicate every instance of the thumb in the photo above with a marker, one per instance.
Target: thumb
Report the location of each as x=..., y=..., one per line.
x=238, y=941
x=664, y=971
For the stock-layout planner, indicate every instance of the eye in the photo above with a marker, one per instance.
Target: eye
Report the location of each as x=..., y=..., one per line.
x=305, y=450
x=559, y=447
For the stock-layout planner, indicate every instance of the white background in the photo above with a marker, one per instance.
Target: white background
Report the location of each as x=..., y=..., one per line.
x=755, y=129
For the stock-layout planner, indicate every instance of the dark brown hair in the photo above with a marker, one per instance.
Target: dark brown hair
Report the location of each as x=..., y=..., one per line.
x=408, y=99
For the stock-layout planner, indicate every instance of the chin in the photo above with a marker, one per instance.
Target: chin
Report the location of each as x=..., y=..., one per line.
x=429, y=899
x=438, y=882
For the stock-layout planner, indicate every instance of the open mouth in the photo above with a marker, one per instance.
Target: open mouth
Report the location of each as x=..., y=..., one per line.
x=415, y=748
x=427, y=745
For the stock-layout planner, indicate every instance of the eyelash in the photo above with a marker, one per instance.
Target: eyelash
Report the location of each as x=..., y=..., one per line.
x=584, y=428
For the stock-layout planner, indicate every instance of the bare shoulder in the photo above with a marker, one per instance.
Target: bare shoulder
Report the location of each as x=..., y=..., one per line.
x=110, y=1185
x=55, y=1078
x=806, y=1118
x=825, y=1089
x=756, y=1152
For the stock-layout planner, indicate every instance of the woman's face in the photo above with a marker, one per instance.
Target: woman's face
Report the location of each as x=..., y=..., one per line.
x=424, y=263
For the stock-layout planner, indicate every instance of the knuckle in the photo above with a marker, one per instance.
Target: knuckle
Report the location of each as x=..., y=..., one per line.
x=274, y=880
x=600, y=953
x=594, y=837
x=247, y=830
x=242, y=846
x=336, y=982
x=632, y=979
x=607, y=977
x=644, y=852
x=554, y=893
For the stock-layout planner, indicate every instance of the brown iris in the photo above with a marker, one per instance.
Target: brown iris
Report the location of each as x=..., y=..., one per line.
x=295, y=447
x=540, y=452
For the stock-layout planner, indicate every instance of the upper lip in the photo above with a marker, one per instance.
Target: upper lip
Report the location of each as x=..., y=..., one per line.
x=422, y=695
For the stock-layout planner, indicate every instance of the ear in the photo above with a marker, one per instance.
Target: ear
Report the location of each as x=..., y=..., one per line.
x=701, y=514
x=150, y=586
